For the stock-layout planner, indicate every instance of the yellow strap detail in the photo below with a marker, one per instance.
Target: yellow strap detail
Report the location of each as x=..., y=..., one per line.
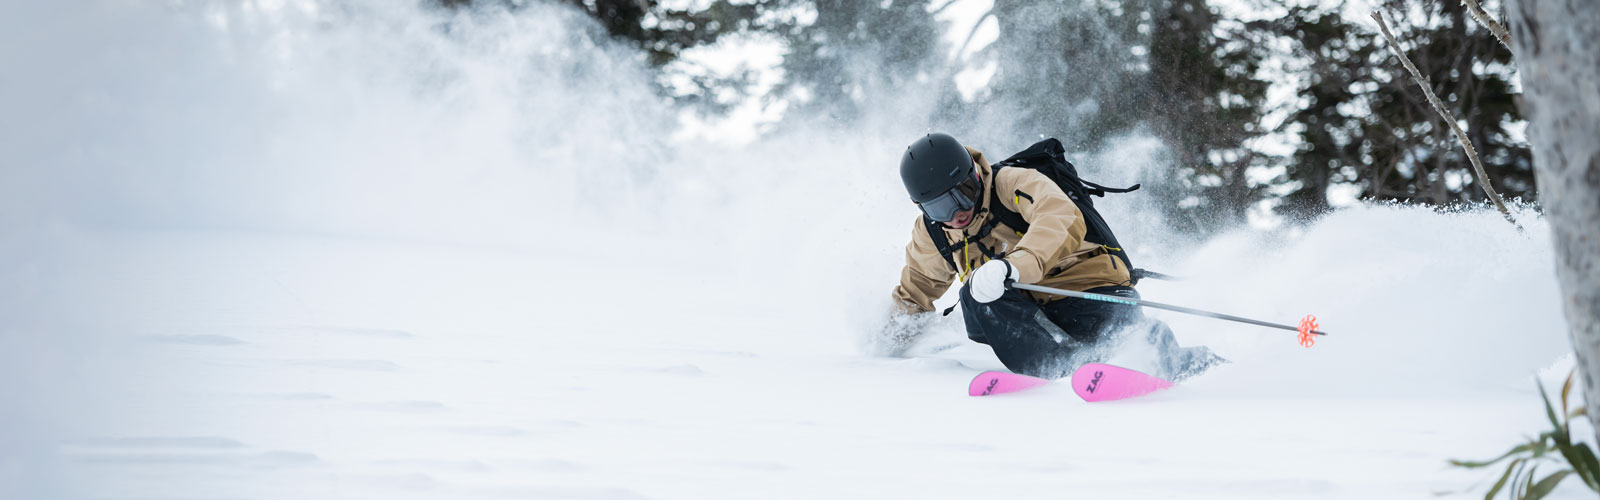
x=967, y=271
x=964, y=269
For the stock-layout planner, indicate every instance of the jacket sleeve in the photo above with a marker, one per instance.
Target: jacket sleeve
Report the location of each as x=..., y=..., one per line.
x=1055, y=225
x=926, y=275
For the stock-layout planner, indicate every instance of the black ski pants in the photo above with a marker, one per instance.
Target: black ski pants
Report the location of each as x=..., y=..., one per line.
x=1049, y=340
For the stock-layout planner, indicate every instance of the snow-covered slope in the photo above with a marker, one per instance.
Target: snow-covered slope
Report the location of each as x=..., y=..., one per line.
x=302, y=250
x=240, y=365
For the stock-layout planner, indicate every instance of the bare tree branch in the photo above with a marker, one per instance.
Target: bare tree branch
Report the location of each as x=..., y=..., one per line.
x=974, y=32
x=941, y=8
x=1483, y=18
x=1466, y=144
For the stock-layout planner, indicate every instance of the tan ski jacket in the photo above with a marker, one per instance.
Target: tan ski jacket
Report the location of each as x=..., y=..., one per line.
x=1052, y=253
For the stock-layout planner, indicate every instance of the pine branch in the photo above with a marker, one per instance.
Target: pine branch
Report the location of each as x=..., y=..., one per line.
x=1483, y=18
x=1438, y=107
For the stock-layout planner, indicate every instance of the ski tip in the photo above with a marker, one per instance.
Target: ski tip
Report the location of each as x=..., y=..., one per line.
x=993, y=382
x=1102, y=382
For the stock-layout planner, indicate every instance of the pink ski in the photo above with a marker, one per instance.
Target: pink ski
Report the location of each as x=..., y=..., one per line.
x=994, y=382
x=1102, y=382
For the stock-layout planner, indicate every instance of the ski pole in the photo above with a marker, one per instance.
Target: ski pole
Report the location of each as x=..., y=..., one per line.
x=1307, y=326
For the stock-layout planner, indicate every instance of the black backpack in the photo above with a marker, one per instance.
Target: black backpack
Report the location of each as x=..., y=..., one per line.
x=1048, y=157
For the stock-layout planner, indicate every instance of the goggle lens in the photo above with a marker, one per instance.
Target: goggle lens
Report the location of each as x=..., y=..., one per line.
x=943, y=208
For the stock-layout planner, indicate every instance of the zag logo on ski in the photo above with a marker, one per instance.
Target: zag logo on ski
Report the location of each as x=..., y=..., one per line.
x=1110, y=383
x=1095, y=382
x=992, y=382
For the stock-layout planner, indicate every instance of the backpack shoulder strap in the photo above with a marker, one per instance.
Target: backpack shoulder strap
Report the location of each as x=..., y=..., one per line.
x=940, y=242
x=1004, y=215
x=948, y=249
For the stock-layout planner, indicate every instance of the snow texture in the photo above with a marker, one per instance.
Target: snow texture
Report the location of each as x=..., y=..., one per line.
x=290, y=249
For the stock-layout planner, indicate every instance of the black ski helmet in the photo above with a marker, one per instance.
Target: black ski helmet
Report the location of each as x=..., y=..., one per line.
x=932, y=168
x=934, y=164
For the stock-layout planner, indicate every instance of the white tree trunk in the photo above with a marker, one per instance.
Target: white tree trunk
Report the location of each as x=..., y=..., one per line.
x=1557, y=47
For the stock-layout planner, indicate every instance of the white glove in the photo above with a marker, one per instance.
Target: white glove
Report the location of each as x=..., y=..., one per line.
x=989, y=281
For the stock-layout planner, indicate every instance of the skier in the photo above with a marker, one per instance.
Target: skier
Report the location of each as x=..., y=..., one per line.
x=1032, y=333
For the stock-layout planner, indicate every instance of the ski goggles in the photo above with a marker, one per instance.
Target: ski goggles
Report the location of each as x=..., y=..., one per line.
x=943, y=208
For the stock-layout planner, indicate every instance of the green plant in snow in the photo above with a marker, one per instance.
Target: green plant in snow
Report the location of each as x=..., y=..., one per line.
x=1525, y=459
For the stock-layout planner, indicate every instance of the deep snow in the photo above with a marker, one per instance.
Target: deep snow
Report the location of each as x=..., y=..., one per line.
x=312, y=250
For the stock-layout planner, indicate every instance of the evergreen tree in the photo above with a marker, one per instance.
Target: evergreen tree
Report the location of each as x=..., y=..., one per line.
x=854, y=52
x=1066, y=71
x=1363, y=121
x=660, y=31
x=1414, y=156
x=1090, y=72
x=1337, y=58
x=1206, y=104
x=663, y=34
